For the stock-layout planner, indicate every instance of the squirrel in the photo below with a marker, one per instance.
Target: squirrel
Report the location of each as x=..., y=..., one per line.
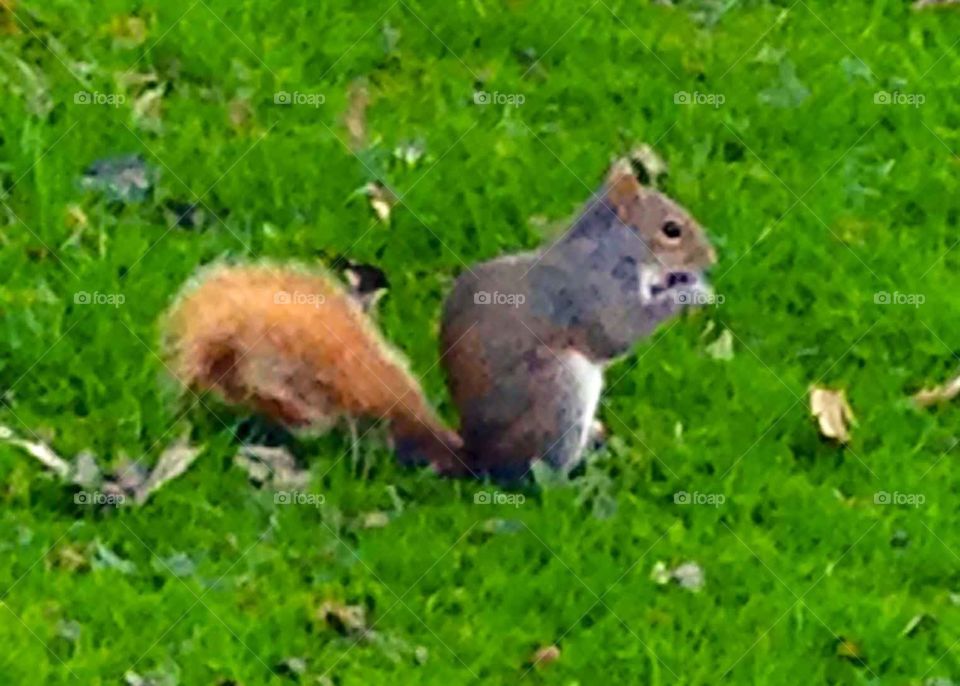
x=524, y=338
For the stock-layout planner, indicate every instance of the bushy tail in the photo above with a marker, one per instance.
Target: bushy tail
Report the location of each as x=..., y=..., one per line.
x=294, y=346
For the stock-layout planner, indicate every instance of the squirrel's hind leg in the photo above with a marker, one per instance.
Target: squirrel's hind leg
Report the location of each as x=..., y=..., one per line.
x=560, y=394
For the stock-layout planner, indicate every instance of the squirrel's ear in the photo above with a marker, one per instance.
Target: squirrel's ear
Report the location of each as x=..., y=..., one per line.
x=623, y=187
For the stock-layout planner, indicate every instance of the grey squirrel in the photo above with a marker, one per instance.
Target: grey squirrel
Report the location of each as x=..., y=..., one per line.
x=524, y=338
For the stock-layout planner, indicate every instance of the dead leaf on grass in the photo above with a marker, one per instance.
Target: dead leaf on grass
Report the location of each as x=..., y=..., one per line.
x=923, y=4
x=381, y=199
x=128, y=31
x=688, y=575
x=346, y=620
x=545, y=655
x=355, y=119
x=648, y=163
x=39, y=450
x=374, y=520
x=833, y=412
x=173, y=462
x=275, y=466
x=938, y=394
x=8, y=23
x=722, y=348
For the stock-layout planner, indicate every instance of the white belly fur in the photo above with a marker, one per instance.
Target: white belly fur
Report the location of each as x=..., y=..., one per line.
x=589, y=380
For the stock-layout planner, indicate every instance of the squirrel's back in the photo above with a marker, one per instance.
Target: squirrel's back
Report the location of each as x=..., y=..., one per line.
x=297, y=347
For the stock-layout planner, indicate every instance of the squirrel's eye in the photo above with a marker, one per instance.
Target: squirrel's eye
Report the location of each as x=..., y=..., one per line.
x=672, y=230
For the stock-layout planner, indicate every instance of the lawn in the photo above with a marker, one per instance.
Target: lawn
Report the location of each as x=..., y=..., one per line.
x=818, y=141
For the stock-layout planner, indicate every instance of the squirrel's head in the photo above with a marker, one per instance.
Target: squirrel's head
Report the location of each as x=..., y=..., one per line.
x=675, y=238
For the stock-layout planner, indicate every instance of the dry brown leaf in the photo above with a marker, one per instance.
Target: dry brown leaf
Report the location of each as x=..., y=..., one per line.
x=39, y=450
x=273, y=465
x=148, y=109
x=381, y=200
x=938, y=394
x=240, y=112
x=923, y=4
x=346, y=620
x=76, y=217
x=646, y=157
x=173, y=462
x=128, y=31
x=8, y=23
x=832, y=411
x=374, y=520
x=545, y=655
x=356, y=116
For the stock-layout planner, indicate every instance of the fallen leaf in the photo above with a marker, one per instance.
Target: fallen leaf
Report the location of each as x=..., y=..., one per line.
x=294, y=666
x=173, y=462
x=546, y=655
x=71, y=557
x=645, y=160
x=275, y=466
x=86, y=471
x=8, y=23
x=938, y=394
x=39, y=450
x=125, y=178
x=69, y=630
x=104, y=558
x=832, y=411
x=381, y=200
x=689, y=575
x=849, y=650
x=128, y=31
x=178, y=564
x=32, y=84
x=722, y=348
x=240, y=113
x=410, y=152
x=347, y=620
x=356, y=117
x=76, y=217
x=374, y=520
x=129, y=477
x=148, y=109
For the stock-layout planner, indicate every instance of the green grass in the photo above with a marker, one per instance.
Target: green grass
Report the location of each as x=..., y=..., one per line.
x=817, y=198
